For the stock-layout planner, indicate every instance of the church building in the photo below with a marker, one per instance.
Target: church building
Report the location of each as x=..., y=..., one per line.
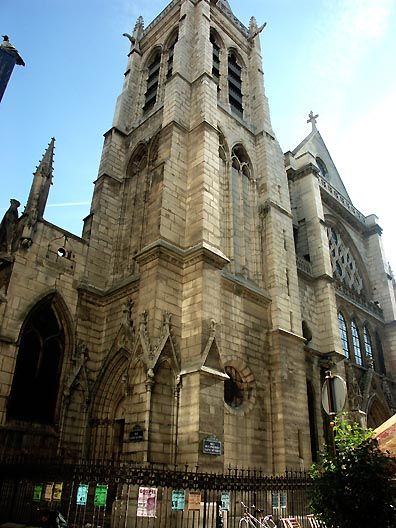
x=216, y=280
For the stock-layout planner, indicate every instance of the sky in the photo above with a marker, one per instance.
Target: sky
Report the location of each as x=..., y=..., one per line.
x=335, y=57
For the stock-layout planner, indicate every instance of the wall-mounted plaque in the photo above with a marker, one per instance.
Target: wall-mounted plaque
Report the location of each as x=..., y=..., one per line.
x=136, y=435
x=211, y=446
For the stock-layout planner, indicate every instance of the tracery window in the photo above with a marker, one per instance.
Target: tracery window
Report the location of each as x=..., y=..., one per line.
x=34, y=390
x=356, y=343
x=153, y=71
x=235, y=84
x=343, y=263
x=368, y=347
x=343, y=334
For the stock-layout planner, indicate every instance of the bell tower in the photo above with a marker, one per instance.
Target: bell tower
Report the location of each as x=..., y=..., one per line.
x=191, y=218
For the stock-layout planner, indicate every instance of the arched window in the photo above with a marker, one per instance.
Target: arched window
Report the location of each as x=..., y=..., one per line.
x=215, y=57
x=356, y=343
x=131, y=224
x=171, y=48
x=322, y=168
x=35, y=386
x=368, y=347
x=152, y=81
x=243, y=212
x=235, y=84
x=380, y=354
x=343, y=334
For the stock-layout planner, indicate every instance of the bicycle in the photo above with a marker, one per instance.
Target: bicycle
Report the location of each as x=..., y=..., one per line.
x=250, y=521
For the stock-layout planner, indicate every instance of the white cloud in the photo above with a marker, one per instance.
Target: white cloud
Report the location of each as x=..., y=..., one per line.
x=341, y=41
x=68, y=204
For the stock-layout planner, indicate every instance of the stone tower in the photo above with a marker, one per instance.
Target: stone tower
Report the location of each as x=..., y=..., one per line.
x=191, y=221
x=172, y=330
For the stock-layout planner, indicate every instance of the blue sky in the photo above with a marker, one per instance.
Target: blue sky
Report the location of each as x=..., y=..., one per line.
x=335, y=57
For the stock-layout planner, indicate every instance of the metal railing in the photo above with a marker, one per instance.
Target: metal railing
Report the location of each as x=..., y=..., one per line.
x=131, y=495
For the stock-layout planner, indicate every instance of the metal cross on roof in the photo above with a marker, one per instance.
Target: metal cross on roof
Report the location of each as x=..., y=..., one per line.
x=312, y=120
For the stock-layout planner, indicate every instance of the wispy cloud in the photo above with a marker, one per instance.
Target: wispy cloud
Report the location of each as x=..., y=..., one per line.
x=68, y=204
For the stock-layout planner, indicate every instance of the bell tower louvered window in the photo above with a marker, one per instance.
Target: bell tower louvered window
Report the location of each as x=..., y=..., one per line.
x=152, y=82
x=171, y=50
x=215, y=59
x=235, y=85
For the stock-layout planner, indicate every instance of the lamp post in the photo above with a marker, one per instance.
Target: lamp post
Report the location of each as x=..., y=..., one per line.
x=333, y=400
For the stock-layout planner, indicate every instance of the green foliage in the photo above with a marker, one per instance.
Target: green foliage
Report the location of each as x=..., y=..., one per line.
x=354, y=488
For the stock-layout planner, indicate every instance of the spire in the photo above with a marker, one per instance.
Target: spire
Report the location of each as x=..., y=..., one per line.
x=254, y=29
x=42, y=180
x=136, y=36
x=45, y=166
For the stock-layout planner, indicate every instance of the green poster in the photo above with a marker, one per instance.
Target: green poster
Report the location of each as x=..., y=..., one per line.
x=37, y=491
x=100, y=495
x=178, y=500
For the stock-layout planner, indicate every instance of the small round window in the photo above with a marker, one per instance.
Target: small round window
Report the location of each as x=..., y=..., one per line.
x=234, y=388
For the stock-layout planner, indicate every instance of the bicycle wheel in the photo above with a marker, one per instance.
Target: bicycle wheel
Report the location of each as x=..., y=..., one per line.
x=243, y=523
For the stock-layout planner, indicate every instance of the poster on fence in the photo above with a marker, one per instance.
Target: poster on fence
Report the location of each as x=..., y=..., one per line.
x=147, y=502
x=225, y=501
x=194, y=500
x=57, y=491
x=178, y=500
x=37, y=491
x=82, y=494
x=100, y=495
x=48, y=491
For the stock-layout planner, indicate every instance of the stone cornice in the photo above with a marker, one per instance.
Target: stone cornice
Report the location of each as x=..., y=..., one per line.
x=288, y=333
x=360, y=303
x=297, y=174
x=268, y=204
x=243, y=287
x=183, y=257
x=7, y=339
x=104, y=175
x=112, y=291
x=115, y=130
x=374, y=230
x=64, y=232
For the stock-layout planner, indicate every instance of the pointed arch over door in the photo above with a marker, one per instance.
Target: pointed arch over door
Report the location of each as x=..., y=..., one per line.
x=35, y=387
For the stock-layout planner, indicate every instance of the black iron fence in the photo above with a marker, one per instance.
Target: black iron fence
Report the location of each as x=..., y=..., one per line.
x=129, y=495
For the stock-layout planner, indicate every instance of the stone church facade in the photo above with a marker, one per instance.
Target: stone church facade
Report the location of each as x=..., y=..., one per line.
x=215, y=282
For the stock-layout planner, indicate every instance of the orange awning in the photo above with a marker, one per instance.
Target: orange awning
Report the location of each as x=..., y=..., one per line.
x=386, y=435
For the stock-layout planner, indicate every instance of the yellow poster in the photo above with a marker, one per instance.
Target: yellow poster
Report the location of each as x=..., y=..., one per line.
x=57, y=492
